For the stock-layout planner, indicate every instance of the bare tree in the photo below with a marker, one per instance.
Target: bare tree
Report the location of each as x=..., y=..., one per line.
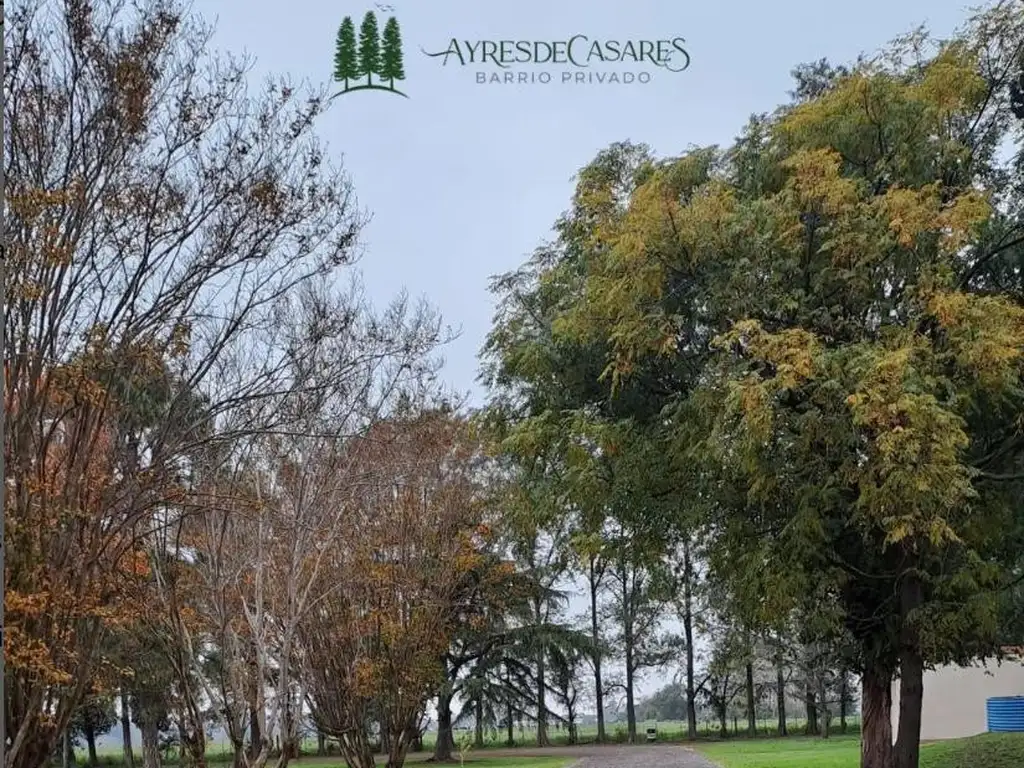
x=159, y=216
x=414, y=532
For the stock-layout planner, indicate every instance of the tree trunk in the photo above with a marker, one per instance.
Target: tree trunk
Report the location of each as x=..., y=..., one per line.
x=824, y=711
x=812, y=707
x=478, y=740
x=255, y=734
x=780, y=696
x=321, y=744
x=126, y=731
x=596, y=635
x=150, y=742
x=630, y=704
x=445, y=744
x=876, y=718
x=907, y=752
x=542, y=707
x=509, y=714
x=90, y=742
x=844, y=693
x=628, y=641
x=751, y=706
x=723, y=722
x=69, y=752
x=691, y=693
x=356, y=750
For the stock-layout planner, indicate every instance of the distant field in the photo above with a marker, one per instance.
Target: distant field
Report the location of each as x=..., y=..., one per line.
x=987, y=751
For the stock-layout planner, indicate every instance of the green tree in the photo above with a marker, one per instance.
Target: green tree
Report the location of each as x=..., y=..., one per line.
x=93, y=719
x=369, y=47
x=346, y=62
x=391, y=53
x=832, y=313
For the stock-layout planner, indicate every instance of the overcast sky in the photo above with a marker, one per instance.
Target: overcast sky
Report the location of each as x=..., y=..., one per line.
x=464, y=180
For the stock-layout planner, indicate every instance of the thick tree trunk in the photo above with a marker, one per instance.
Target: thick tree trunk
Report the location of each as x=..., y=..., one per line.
x=691, y=693
x=126, y=732
x=824, y=712
x=876, y=718
x=907, y=752
x=150, y=742
x=321, y=744
x=723, y=722
x=90, y=743
x=596, y=635
x=780, y=696
x=255, y=734
x=478, y=740
x=542, y=707
x=751, y=705
x=811, y=704
x=445, y=745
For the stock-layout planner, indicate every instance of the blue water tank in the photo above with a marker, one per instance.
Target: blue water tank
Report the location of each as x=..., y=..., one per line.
x=1005, y=714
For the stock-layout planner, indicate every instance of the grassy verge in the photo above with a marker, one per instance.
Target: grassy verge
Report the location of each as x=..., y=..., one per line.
x=986, y=751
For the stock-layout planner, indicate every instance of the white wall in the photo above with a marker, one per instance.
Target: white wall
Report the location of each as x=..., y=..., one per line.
x=954, y=698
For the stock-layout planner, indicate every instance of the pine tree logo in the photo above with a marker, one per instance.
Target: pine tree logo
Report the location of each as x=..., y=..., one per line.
x=373, y=61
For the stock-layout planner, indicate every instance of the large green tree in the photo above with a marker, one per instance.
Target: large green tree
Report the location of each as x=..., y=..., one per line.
x=828, y=320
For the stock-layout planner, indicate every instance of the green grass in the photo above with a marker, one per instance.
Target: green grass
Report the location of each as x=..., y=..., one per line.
x=986, y=751
x=791, y=752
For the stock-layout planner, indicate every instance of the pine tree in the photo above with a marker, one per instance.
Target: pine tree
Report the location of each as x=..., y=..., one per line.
x=391, y=55
x=369, y=47
x=346, y=64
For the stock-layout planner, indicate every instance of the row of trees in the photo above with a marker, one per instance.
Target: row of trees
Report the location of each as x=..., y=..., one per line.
x=234, y=489
x=772, y=391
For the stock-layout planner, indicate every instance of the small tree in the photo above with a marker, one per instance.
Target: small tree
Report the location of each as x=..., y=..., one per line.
x=391, y=55
x=346, y=62
x=92, y=719
x=369, y=47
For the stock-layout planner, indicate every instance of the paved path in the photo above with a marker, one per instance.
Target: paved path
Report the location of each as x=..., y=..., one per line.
x=644, y=757
x=598, y=756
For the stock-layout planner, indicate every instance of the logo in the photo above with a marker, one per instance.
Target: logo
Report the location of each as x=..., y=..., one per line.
x=582, y=60
x=374, y=61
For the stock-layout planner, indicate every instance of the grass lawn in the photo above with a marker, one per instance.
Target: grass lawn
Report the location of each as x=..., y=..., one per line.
x=986, y=751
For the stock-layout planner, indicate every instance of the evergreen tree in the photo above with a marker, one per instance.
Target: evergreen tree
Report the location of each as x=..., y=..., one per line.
x=369, y=47
x=346, y=64
x=391, y=55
